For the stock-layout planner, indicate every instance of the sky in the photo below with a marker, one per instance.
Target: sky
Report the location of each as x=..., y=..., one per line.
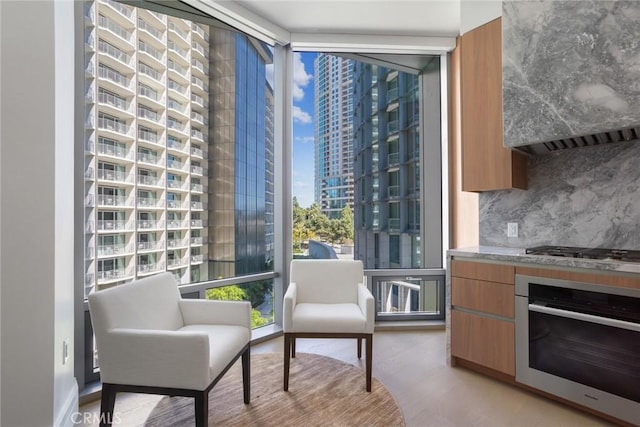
x=303, y=120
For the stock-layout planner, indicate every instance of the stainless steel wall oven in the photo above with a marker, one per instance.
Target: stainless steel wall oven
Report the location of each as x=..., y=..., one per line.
x=581, y=342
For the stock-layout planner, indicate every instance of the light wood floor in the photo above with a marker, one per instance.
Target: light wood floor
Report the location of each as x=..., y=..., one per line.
x=412, y=365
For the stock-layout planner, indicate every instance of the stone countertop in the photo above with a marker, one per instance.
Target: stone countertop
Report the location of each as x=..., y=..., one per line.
x=518, y=255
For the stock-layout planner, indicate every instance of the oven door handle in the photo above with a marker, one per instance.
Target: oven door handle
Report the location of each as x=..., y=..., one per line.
x=615, y=323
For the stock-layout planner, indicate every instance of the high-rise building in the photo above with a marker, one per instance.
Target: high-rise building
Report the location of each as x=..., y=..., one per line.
x=154, y=147
x=387, y=167
x=333, y=133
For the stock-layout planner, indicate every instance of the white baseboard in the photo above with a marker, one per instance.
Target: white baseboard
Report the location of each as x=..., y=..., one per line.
x=70, y=407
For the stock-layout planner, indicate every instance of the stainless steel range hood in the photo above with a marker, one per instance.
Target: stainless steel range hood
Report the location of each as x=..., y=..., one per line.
x=570, y=73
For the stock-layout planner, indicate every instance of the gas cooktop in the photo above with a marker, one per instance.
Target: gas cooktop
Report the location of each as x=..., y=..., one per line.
x=592, y=253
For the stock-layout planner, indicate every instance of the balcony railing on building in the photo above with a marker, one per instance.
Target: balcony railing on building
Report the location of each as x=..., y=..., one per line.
x=197, y=47
x=175, y=223
x=173, y=27
x=176, y=106
x=184, y=54
x=177, y=262
x=199, y=83
x=197, y=223
x=150, y=246
x=175, y=125
x=111, y=150
x=176, y=164
x=172, y=65
x=198, y=188
x=176, y=145
x=113, y=124
x=177, y=243
x=113, y=100
x=148, y=92
x=114, y=76
x=151, y=72
x=197, y=205
x=144, y=25
x=108, y=200
x=196, y=152
x=197, y=117
x=113, y=274
x=197, y=134
x=153, y=159
x=177, y=184
x=149, y=136
x=173, y=85
x=112, y=225
x=148, y=202
x=121, y=8
x=112, y=175
x=197, y=99
x=197, y=170
x=196, y=259
x=150, y=50
x=115, y=28
x=149, y=224
x=114, y=52
x=199, y=66
x=148, y=114
x=199, y=31
x=197, y=241
x=115, y=249
x=149, y=180
x=149, y=268
x=176, y=204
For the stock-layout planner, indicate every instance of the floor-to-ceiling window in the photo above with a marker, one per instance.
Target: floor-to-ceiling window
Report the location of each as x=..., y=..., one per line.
x=178, y=157
x=376, y=152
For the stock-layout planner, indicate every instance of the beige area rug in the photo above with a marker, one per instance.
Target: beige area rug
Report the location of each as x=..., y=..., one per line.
x=322, y=392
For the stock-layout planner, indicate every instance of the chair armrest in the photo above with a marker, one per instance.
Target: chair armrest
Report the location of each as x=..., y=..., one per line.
x=210, y=312
x=289, y=304
x=365, y=301
x=158, y=358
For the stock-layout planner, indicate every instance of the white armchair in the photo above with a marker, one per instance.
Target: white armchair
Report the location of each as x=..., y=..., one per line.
x=327, y=299
x=150, y=340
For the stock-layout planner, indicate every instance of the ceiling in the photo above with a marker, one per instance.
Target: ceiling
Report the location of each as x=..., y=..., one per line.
x=435, y=18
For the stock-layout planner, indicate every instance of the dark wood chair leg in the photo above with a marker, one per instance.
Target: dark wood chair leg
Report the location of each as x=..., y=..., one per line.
x=202, y=409
x=246, y=374
x=369, y=360
x=293, y=346
x=108, y=402
x=359, y=348
x=287, y=355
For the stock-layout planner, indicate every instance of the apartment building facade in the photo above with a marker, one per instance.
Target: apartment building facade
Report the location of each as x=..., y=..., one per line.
x=386, y=167
x=152, y=161
x=333, y=134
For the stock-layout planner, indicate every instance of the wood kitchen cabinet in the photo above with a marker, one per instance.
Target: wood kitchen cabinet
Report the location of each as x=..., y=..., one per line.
x=482, y=314
x=486, y=163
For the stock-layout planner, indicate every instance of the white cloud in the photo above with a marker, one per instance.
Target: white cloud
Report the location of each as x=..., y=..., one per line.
x=300, y=77
x=304, y=139
x=301, y=116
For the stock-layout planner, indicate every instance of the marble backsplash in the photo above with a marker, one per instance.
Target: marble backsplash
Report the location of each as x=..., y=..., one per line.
x=588, y=197
x=569, y=68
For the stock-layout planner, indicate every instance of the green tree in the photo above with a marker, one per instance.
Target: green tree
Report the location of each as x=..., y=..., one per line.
x=236, y=293
x=317, y=221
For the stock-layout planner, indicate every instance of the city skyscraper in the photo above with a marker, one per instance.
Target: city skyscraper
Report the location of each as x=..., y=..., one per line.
x=387, y=167
x=333, y=133
x=168, y=156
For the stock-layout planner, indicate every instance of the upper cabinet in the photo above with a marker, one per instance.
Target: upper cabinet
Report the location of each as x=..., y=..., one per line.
x=486, y=163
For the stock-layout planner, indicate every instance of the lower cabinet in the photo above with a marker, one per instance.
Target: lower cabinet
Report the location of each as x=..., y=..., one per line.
x=482, y=314
x=483, y=340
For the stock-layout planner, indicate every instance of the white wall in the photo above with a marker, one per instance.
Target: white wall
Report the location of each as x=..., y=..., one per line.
x=36, y=217
x=474, y=13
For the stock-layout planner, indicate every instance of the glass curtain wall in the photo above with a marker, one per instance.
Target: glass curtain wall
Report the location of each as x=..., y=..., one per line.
x=178, y=156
